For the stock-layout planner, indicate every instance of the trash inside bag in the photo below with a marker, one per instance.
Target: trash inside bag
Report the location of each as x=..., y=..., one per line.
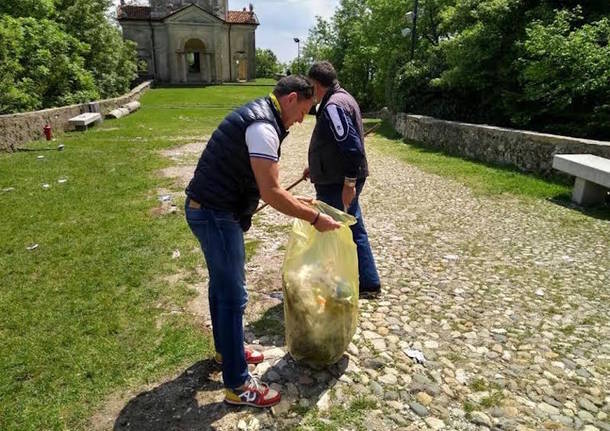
x=320, y=279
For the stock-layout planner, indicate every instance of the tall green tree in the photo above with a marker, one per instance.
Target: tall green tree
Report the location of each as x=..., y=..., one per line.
x=54, y=52
x=532, y=64
x=320, y=43
x=267, y=64
x=111, y=60
x=565, y=74
x=41, y=66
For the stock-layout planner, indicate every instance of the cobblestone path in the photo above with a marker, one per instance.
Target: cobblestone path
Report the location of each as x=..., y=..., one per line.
x=508, y=299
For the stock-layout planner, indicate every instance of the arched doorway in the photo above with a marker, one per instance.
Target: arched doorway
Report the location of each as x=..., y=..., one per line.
x=197, y=61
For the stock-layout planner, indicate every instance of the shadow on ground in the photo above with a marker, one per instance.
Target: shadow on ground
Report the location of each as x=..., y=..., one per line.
x=601, y=211
x=185, y=403
x=194, y=400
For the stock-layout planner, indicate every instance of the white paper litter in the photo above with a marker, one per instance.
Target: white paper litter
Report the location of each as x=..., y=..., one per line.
x=416, y=355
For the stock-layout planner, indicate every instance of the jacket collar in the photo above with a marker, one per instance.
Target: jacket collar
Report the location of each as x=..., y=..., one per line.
x=331, y=90
x=276, y=109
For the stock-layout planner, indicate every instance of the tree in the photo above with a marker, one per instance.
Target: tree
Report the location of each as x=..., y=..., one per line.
x=266, y=63
x=55, y=52
x=517, y=63
x=41, y=66
x=319, y=44
x=111, y=59
x=565, y=74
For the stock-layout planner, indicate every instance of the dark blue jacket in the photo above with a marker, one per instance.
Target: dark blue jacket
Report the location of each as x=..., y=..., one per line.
x=223, y=179
x=336, y=149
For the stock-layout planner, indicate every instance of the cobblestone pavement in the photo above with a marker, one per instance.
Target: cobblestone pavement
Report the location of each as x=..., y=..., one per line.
x=507, y=299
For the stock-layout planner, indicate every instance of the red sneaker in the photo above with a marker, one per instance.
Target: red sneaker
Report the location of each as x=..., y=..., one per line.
x=252, y=357
x=254, y=393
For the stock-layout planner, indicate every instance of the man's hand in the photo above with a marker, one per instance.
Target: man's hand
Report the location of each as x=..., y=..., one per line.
x=348, y=195
x=306, y=173
x=326, y=223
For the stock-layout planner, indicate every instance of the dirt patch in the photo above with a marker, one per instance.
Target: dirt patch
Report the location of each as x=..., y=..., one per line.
x=185, y=153
x=182, y=173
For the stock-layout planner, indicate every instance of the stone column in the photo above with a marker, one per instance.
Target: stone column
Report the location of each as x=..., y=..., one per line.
x=184, y=67
x=208, y=69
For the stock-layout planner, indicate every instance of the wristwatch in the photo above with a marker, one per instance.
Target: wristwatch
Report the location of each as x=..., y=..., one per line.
x=350, y=181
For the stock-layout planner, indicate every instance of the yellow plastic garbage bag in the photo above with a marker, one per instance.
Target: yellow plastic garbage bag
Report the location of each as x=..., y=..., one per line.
x=320, y=280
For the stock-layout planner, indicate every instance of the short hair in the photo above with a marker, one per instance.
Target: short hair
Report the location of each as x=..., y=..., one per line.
x=294, y=83
x=324, y=73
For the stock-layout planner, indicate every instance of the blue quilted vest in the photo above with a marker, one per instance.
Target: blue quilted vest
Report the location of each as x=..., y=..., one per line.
x=223, y=179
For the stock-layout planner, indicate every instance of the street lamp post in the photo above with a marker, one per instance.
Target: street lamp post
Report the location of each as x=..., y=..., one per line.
x=298, y=42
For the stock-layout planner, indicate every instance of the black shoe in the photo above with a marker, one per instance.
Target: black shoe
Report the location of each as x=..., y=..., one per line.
x=370, y=292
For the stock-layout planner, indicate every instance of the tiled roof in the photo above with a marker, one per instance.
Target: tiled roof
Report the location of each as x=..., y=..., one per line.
x=143, y=13
x=241, y=17
x=133, y=12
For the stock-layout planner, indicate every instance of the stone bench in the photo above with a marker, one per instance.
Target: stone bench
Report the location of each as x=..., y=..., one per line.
x=592, y=176
x=82, y=121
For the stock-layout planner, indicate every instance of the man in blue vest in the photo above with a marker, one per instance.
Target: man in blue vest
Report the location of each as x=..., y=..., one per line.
x=238, y=167
x=337, y=163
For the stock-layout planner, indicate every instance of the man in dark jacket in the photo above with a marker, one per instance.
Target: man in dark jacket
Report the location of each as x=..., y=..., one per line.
x=337, y=162
x=239, y=166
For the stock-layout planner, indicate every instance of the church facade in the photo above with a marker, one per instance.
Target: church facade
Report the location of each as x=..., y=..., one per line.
x=192, y=42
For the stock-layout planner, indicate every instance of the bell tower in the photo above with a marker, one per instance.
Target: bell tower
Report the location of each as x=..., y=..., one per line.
x=221, y=9
x=160, y=8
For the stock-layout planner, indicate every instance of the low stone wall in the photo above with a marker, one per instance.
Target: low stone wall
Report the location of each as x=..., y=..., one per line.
x=527, y=151
x=19, y=129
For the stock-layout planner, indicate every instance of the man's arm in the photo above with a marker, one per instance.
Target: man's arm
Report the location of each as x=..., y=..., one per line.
x=347, y=137
x=350, y=144
x=266, y=173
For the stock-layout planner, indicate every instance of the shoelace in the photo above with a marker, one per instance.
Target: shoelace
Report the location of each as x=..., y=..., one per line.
x=253, y=381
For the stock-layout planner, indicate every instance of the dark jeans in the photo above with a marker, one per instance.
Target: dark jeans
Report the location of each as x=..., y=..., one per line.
x=222, y=241
x=331, y=194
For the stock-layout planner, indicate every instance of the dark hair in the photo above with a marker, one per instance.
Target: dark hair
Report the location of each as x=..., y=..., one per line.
x=324, y=73
x=294, y=83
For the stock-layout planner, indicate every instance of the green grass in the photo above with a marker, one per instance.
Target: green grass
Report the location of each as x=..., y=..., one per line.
x=495, y=399
x=79, y=315
x=478, y=385
x=481, y=178
x=339, y=417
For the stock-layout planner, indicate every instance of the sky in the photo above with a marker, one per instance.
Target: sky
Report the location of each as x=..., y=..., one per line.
x=283, y=20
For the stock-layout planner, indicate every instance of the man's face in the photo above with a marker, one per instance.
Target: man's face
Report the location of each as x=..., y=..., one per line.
x=319, y=91
x=294, y=110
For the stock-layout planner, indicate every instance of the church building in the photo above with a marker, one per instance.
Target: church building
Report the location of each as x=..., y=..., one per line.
x=192, y=42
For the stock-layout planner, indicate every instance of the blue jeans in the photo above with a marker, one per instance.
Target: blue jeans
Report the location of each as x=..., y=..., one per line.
x=331, y=194
x=222, y=241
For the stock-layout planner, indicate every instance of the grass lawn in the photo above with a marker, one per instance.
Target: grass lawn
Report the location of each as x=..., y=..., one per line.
x=88, y=312
x=480, y=177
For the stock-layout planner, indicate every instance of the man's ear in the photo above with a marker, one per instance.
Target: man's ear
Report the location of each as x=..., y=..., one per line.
x=292, y=97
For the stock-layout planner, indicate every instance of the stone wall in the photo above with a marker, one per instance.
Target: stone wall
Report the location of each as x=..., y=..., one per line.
x=19, y=129
x=527, y=151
